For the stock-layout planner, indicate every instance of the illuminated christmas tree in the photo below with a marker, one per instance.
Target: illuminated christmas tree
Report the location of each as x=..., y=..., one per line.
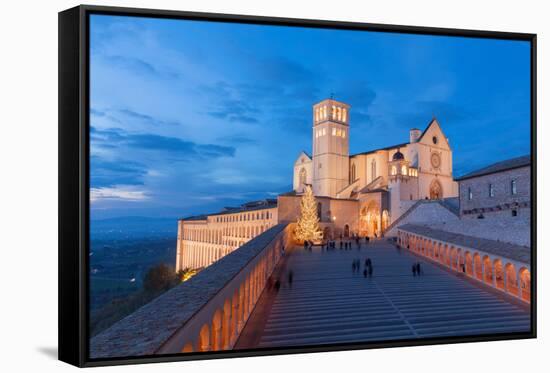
x=307, y=227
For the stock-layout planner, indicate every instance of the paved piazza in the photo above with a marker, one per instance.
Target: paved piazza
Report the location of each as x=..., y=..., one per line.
x=329, y=303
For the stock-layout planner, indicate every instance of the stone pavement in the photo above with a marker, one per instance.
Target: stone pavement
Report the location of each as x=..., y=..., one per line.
x=328, y=303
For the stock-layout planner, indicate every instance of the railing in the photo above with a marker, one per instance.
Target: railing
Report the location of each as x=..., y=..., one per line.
x=206, y=313
x=499, y=265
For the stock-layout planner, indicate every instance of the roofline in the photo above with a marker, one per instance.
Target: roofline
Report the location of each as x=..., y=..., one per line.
x=469, y=176
x=397, y=146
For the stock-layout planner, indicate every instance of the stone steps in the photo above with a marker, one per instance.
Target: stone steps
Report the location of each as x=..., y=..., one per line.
x=328, y=303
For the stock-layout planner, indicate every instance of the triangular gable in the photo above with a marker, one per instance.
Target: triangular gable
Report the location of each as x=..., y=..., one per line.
x=433, y=128
x=303, y=156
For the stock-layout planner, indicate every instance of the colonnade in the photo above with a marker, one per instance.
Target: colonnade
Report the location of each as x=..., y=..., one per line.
x=507, y=275
x=202, y=242
x=218, y=327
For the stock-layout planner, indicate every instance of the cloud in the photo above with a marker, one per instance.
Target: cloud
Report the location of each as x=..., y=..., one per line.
x=107, y=173
x=120, y=116
x=138, y=66
x=174, y=146
x=119, y=192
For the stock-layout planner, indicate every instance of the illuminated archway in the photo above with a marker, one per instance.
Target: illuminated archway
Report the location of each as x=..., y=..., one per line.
x=204, y=338
x=525, y=284
x=370, y=220
x=487, y=270
x=436, y=190
x=469, y=263
x=478, y=269
x=499, y=274
x=511, y=279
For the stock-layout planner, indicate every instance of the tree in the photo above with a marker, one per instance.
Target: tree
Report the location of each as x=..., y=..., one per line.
x=158, y=278
x=307, y=227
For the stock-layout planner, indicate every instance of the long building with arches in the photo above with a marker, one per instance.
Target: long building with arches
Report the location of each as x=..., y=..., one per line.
x=204, y=239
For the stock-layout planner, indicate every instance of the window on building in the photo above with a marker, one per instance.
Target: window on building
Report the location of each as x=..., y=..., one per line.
x=373, y=169
x=344, y=134
x=339, y=113
x=514, y=187
x=491, y=190
x=334, y=132
x=470, y=194
x=317, y=114
x=403, y=170
x=344, y=114
x=303, y=176
x=333, y=112
x=324, y=131
x=352, y=174
x=394, y=170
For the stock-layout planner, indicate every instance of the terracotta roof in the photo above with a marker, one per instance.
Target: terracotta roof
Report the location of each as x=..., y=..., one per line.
x=508, y=164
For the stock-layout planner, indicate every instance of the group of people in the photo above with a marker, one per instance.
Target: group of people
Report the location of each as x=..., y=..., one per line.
x=308, y=245
x=416, y=269
x=367, y=271
x=276, y=284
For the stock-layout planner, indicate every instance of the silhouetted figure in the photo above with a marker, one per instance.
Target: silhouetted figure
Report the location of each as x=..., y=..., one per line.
x=414, y=269
x=418, y=268
x=370, y=270
x=353, y=266
x=368, y=262
x=290, y=276
x=341, y=244
x=305, y=245
x=365, y=273
x=277, y=285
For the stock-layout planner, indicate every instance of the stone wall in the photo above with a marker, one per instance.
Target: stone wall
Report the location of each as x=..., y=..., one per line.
x=503, y=229
x=503, y=201
x=426, y=212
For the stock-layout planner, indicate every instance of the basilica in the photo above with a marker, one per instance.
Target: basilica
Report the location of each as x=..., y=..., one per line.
x=365, y=192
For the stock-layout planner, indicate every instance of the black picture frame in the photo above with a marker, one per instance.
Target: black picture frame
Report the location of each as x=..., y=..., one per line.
x=74, y=181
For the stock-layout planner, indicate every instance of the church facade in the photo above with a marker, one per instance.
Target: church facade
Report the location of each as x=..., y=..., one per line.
x=373, y=188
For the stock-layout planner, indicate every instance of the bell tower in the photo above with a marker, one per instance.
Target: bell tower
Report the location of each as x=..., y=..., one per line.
x=330, y=147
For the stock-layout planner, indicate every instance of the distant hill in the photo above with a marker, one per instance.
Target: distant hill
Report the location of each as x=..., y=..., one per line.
x=133, y=227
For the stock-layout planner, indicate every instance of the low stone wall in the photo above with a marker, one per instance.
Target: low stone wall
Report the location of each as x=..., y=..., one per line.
x=205, y=313
x=425, y=212
x=504, y=229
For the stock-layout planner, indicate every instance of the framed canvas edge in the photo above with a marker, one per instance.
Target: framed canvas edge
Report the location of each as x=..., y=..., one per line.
x=72, y=286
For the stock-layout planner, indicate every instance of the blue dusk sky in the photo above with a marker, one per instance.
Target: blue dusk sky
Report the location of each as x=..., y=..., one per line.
x=188, y=117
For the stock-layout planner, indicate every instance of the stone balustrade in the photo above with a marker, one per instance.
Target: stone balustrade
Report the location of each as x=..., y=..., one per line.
x=207, y=312
x=500, y=265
